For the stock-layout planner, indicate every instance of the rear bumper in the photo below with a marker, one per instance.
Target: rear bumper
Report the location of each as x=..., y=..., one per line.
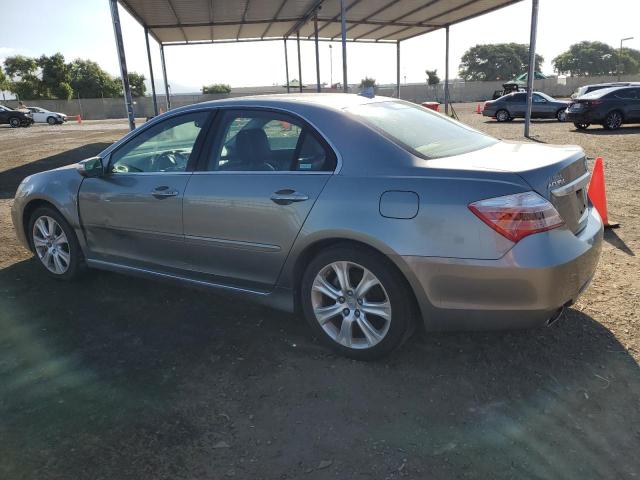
x=583, y=117
x=523, y=289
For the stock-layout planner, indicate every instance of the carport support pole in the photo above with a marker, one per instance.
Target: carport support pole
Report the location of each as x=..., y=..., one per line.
x=286, y=65
x=315, y=28
x=398, y=67
x=164, y=76
x=532, y=65
x=343, y=21
x=153, y=82
x=115, y=18
x=299, y=61
x=446, y=71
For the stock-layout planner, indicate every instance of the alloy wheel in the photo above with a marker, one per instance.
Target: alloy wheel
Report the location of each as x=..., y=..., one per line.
x=613, y=120
x=51, y=245
x=351, y=305
x=502, y=116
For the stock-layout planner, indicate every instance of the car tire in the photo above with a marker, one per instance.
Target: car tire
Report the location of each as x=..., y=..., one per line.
x=581, y=126
x=613, y=120
x=14, y=122
x=52, y=120
x=503, y=116
x=561, y=115
x=380, y=318
x=55, y=245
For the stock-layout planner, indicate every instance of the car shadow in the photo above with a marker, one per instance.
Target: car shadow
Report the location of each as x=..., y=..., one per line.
x=11, y=178
x=118, y=377
x=624, y=130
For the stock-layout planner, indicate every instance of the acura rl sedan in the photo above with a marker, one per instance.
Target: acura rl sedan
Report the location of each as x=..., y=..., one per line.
x=369, y=216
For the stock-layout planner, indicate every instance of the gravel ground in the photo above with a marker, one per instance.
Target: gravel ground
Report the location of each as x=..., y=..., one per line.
x=117, y=377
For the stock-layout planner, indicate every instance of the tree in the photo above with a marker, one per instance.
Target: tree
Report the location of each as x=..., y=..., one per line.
x=587, y=58
x=4, y=81
x=216, y=88
x=136, y=82
x=629, y=60
x=23, y=75
x=433, y=78
x=498, y=61
x=55, y=77
x=90, y=81
x=367, y=82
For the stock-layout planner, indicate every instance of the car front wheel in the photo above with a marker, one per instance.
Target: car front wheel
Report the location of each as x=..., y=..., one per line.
x=51, y=121
x=14, y=122
x=356, y=302
x=54, y=243
x=561, y=115
x=503, y=116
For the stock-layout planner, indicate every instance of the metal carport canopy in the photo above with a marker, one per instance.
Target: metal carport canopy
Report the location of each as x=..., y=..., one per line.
x=198, y=21
x=192, y=22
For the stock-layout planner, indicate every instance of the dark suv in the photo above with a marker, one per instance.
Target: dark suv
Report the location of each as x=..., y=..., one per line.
x=610, y=107
x=15, y=118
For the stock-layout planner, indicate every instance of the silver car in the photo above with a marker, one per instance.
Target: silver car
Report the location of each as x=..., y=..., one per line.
x=370, y=216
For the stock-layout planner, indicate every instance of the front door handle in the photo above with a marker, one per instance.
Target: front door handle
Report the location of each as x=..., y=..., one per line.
x=288, y=196
x=164, y=192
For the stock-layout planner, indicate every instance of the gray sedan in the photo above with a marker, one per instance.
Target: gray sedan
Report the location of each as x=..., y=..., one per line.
x=514, y=105
x=370, y=216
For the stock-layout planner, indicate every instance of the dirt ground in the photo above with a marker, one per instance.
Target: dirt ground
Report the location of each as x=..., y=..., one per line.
x=122, y=378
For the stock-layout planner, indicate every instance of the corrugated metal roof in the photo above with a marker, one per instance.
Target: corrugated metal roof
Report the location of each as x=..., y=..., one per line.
x=197, y=21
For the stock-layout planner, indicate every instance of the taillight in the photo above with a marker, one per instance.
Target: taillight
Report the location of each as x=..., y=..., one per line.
x=519, y=215
x=591, y=103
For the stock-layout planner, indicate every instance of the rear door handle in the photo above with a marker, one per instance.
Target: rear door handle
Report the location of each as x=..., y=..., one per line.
x=164, y=192
x=288, y=196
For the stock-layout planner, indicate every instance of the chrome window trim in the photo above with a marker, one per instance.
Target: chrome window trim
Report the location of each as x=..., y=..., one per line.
x=212, y=108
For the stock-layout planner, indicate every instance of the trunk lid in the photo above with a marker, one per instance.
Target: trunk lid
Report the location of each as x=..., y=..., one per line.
x=557, y=172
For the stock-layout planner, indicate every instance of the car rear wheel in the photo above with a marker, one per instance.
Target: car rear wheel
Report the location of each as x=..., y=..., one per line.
x=561, y=115
x=14, y=122
x=356, y=303
x=581, y=126
x=51, y=121
x=54, y=243
x=503, y=116
x=613, y=121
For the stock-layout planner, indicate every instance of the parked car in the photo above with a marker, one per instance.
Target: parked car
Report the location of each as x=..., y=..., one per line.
x=15, y=118
x=40, y=115
x=610, y=107
x=367, y=215
x=580, y=91
x=514, y=105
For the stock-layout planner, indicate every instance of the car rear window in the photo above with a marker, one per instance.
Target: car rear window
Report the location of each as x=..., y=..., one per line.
x=419, y=130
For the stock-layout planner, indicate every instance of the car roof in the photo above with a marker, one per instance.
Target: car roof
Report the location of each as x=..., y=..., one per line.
x=604, y=91
x=293, y=101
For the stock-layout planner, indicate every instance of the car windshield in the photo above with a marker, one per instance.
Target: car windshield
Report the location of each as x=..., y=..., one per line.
x=4, y=107
x=600, y=92
x=419, y=130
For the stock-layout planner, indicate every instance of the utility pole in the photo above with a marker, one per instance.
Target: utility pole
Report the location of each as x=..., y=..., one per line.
x=620, y=55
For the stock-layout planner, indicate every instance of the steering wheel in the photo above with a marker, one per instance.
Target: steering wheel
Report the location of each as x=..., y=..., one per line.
x=170, y=161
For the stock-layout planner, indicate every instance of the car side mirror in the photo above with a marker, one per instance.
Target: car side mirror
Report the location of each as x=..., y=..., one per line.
x=91, y=168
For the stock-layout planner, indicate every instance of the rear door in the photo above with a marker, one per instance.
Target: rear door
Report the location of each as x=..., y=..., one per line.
x=634, y=105
x=133, y=214
x=246, y=205
x=518, y=104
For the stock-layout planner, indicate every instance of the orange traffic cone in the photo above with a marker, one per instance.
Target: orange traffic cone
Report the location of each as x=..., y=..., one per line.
x=79, y=119
x=478, y=109
x=597, y=193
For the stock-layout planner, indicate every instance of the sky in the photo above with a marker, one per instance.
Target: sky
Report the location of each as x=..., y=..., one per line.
x=83, y=29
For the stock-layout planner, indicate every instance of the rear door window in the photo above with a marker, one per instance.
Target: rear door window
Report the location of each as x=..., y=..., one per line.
x=263, y=141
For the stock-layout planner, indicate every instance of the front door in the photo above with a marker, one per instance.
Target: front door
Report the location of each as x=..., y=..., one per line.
x=133, y=214
x=245, y=207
